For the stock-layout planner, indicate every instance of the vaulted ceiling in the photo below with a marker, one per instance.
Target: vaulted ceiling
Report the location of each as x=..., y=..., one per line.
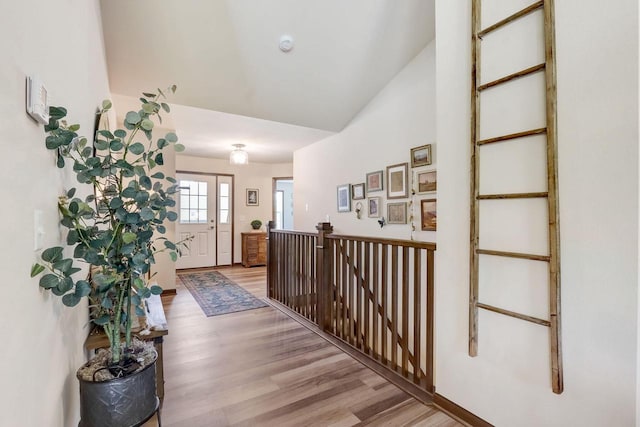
x=234, y=83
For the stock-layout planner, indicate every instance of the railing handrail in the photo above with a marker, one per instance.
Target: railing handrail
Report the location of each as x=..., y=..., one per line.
x=385, y=241
x=297, y=233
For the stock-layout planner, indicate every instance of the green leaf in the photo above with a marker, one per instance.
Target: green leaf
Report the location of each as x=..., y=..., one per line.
x=149, y=95
x=159, y=159
x=155, y=290
x=165, y=107
x=139, y=259
x=172, y=216
x=106, y=134
x=147, y=214
x=49, y=281
x=116, y=145
x=138, y=283
x=171, y=179
x=136, y=148
x=173, y=88
x=60, y=161
x=161, y=229
x=171, y=137
x=169, y=245
x=132, y=218
x=148, y=108
x=145, y=182
x=57, y=113
x=120, y=133
x=63, y=265
x=174, y=256
x=52, y=254
x=139, y=311
x=179, y=148
x=101, y=144
x=146, y=123
x=106, y=104
x=162, y=143
x=129, y=237
x=64, y=285
x=157, y=175
x=36, y=269
x=83, y=288
x=102, y=320
x=133, y=118
x=116, y=203
x=71, y=300
x=71, y=193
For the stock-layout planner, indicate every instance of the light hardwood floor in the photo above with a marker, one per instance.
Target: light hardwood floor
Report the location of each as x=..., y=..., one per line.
x=261, y=368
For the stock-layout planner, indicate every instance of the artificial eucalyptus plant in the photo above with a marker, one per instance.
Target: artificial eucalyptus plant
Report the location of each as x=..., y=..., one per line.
x=119, y=229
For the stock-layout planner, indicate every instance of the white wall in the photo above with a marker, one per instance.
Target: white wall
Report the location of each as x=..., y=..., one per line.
x=508, y=383
x=253, y=175
x=400, y=117
x=42, y=341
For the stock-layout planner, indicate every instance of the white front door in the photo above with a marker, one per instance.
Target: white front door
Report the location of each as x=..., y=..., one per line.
x=205, y=214
x=197, y=217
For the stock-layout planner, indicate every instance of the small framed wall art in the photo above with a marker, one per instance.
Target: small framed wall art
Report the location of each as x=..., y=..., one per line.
x=427, y=181
x=397, y=213
x=344, y=197
x=428, y=215
x=397, y=178
x=253, y=197
x=373, y=210
x=374, y=181
x=421, y=156
x=357, y=191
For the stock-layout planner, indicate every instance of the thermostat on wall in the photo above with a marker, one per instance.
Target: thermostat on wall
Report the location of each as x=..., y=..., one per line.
x=37, y=100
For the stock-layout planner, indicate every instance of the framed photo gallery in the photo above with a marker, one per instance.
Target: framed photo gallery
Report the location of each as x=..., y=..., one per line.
x=398, y=181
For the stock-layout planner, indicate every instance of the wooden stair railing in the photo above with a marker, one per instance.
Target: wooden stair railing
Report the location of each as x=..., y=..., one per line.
x=373, y=295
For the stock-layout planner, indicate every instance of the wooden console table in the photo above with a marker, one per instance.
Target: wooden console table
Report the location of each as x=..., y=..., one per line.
x=254, y=249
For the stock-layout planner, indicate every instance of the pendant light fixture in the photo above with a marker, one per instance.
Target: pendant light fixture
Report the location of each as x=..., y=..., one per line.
x=239, y=156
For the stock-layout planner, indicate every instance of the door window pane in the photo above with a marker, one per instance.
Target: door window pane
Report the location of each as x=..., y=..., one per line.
x=193, y=202
x=223, y=200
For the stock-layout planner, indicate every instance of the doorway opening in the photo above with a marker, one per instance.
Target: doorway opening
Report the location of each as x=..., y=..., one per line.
x=283, y=203
x=205, y=213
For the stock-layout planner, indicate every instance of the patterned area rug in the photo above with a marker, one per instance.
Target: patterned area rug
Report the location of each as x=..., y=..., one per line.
x=217, y=294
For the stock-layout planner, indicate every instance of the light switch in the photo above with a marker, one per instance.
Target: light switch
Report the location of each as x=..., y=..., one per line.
x=38, y=230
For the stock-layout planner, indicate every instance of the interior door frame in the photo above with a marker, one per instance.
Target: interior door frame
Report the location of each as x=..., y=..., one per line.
x=274, y=185
x=233, y=210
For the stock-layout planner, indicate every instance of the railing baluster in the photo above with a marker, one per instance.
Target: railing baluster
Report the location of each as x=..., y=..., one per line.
x=417, y=320
x=394, y=306
x=376, y=302
x=405, y=311
x=385, y=303
x=367, y=297
x=358, y=307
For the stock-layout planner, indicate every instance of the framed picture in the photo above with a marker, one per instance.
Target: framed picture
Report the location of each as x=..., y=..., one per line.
x=357, y=191
x=397, y=178
x=344, y=198
x=421, y=156
x=427, y=181
x=397, y=213
x=374, y=181
x=428, y=215
x=253, y=197
x=373, y=210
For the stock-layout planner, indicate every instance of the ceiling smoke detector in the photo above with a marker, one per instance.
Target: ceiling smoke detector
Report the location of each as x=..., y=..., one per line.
x=286, y=43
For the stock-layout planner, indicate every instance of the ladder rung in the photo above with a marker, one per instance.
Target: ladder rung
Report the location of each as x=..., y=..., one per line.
x=524, y=12
x=513, y=196
x=514, y=314
x=512, y=136
x=513, y=76
x=531, y=257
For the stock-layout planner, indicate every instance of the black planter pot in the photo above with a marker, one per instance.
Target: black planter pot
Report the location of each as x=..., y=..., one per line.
x=120, y=402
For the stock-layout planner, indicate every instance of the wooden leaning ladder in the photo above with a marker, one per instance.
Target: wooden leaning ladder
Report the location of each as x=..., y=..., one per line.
x=553, y=258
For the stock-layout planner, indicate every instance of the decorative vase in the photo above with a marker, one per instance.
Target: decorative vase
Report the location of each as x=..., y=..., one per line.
x=121, y=402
